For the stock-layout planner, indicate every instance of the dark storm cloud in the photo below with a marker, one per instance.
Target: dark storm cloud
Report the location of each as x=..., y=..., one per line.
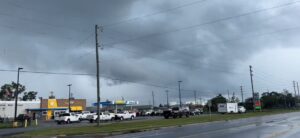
x=158, y=48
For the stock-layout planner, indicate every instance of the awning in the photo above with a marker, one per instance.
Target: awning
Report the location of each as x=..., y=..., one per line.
x=45, y=109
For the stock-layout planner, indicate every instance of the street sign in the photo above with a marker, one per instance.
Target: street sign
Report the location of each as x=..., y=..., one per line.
x=209, y=103
x=257, y=103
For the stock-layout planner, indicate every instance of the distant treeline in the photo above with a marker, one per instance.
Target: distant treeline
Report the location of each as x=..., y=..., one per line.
x=268, y=100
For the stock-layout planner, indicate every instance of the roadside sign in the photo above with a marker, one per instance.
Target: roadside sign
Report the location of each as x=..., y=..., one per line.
x=257, y=105
x=209, y=103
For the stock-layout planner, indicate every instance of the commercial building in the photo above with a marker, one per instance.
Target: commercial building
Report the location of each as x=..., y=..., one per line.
x=7, y=108
x=43, y=108
x=49, y=106
x=113, y=105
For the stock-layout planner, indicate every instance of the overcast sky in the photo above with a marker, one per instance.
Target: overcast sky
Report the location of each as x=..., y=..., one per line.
x=148, y=45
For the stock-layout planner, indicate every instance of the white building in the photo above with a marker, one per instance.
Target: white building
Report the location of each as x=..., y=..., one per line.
x=7, y=108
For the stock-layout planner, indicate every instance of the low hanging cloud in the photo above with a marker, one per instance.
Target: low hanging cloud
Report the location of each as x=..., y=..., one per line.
x=161, y=48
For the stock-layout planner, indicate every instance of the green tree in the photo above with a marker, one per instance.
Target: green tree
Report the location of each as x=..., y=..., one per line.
x=234, y=99
x=216, y=100
x=249, y=103
x=7, y=91
x=29, y=96
x=278, y=100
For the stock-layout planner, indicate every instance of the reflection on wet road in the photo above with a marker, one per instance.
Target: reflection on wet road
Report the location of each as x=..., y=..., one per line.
x=276, y=126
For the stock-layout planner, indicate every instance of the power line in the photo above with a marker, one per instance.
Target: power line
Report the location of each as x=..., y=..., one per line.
x=228, y=40
x=154, y=13
x=110, y=24
x=118, y=32
x=183, y=52
x=271, y=81
x=107, y=25
x=111, y=78
x=208, y=22
x=211, y=64
x=41, y=22
x=86, y=74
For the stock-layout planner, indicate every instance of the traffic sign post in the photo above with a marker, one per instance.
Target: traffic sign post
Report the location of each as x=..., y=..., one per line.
x=209, y=108
x=257, y=104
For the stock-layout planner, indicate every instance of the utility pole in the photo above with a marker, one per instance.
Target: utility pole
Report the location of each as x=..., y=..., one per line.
x=228, y=96
x=242, y=94
x=298, y=88
x=69, y=97
x=200, y=100
x=195, y=96
x=167, y=92
x=98, y=74
x=252, y=87
x=294, y=85
x=152, y=100
x=16, y=95
x=233, y=97
x=180, y=104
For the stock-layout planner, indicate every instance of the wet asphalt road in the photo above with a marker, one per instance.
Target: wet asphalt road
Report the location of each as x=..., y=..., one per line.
x=275, y=126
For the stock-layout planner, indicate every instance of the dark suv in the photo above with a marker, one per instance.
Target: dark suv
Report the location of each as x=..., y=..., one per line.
x=176, y=112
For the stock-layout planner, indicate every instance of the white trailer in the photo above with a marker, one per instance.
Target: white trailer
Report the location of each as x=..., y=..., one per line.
x=7, y=108
x=228, y=108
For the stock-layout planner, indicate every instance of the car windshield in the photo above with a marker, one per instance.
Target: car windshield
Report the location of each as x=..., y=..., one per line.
x=175, y=108
x=65, y=114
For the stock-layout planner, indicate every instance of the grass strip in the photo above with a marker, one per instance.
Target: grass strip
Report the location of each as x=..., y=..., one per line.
x=137, y=126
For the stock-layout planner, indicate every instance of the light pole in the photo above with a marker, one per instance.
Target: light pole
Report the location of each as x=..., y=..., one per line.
x=252, y=87
x=180, y=104
x=17, y=93
x=167, y=98
x=69, y=97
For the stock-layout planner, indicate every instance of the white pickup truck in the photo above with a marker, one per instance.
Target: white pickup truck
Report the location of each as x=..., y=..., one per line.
x=67, y=118
x=125, y=115
x=84, y=114
x=104, y=116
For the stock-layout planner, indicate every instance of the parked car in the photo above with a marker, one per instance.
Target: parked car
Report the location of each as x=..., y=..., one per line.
x=23, y=117
x=149, y=112
x=104, y=116
x=83, y=115
x=177, y=112
x=141, y=113
x=196, y=112
x=57, y=113
x=67, y=118
x=125, y=115
x=242, y=109
x=159, y=112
